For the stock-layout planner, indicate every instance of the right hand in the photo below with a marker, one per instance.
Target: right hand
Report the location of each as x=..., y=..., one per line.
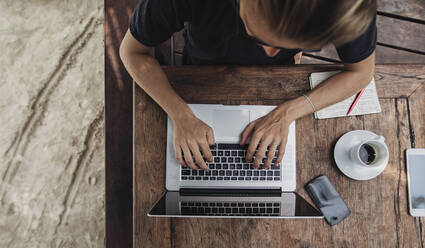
x=192, y=136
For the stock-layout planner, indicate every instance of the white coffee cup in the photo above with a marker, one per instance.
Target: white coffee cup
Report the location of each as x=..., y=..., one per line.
x=381, y=150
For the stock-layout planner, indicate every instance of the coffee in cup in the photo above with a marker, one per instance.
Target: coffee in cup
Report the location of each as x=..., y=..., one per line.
x=370, y=153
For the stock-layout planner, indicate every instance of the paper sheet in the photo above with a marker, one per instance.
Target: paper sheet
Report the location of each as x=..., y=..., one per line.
x=367, y=104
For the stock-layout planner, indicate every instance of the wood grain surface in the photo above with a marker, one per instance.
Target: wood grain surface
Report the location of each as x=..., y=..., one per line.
x=379, y=206
x=118, y=129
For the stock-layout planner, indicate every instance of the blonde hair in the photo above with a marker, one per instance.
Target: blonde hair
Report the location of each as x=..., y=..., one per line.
x=316, y=22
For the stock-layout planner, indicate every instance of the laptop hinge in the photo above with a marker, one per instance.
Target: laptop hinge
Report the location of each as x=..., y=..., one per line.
x=233, y=192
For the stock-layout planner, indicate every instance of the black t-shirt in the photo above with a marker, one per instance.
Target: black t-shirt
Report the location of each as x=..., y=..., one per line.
x=211, y=36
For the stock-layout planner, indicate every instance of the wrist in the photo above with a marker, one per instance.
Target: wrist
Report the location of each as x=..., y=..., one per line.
x=181, y=113
x=295, y=108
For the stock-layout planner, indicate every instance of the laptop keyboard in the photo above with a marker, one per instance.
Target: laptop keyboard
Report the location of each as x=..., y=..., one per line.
x=231, y=208
x=229, y=164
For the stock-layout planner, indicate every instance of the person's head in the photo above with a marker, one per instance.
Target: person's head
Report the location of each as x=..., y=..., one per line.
x=306, y=24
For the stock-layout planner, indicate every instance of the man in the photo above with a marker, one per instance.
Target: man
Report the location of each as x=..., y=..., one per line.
x=249, y=32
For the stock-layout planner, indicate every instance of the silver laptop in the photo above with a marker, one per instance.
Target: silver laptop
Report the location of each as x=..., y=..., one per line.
x=232, y=188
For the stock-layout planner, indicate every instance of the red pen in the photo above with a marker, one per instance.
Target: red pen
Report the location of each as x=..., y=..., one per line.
x=355, y=101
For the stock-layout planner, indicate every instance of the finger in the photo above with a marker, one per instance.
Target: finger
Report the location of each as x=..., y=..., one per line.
x=178, y=155
x=194, y=147
x=247, y=132
x=252, y=146
x=259, y=155
x=282, y=147
x=188, y=157
x=270, y=154
x=210, y=136
x=205, y=148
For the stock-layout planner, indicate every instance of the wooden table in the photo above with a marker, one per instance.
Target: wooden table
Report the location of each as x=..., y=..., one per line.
x=379, y=206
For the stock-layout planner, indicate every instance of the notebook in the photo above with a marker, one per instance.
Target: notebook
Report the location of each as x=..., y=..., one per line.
x=367, y=104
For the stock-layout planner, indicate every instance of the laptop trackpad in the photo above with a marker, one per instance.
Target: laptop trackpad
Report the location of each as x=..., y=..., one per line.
x=230, y=123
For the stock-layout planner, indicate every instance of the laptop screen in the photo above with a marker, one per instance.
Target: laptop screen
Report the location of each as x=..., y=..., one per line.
x=281, y=205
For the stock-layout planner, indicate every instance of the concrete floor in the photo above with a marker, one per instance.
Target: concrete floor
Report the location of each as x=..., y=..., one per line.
x=52, y=123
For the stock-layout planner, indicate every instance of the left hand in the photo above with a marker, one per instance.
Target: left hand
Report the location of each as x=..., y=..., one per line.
x=270, y=131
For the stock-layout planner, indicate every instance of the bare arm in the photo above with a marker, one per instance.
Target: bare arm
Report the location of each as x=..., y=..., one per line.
x=191, y=135
x=335, y=89
x=272, y=129
x=148, y=74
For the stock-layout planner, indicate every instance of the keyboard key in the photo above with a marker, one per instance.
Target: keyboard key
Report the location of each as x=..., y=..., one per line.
x=228, y=173
x=234, y=178
x=215, y=173
x=245, y=166
x=255, y=178
x=249, y=173
x=226, y=178
x=230, y=160
x=242, y=173
x=248, y=178
x=216, y=160
x=227, y=153
x=226, y=204
x=234, y=153
x=256, y=173
x=225, y=166
x=204, y=178
x=221, y=210
x=277, y=173
x=241, y=178
x=220, y=153
x=221, y=172
x=194, y=172
x=213, y=147
x=214, y=153
x=237, y=160
x=211, y=166
x=262, y=173
x=228, y=210
x=235, y=173
x=269, y=178
x=274, y=167
x=239, y=166
x=269, y=204
x=198, y=178
x=184, y=178
x=235, y=210
x=228, y=146
x=275, y=204
x=232, y=166
x=233, y=204
x=262, y=179
x=220, y=178
x=277, y=178
x=201, y=172
x=262, y=210
x=208, y=173
x=213, y=178
x=269, y=173
x=191, y=178
x=242, y=210
x=224, y=159
x=255, y=210
x=218, y=166
x=249, y=210
x=186, y=172
x=275, y=210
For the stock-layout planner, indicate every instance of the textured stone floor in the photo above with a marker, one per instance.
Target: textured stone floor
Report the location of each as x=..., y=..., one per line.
x=51, y=123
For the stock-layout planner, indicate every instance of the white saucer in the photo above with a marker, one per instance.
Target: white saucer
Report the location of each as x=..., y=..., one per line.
x=342, y=156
